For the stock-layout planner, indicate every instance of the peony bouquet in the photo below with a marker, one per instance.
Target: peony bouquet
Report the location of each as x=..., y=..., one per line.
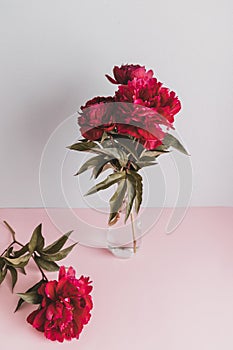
x=127, y=132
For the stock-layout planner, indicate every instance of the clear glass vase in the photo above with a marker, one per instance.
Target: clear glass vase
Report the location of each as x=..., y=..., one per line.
x=124, y=239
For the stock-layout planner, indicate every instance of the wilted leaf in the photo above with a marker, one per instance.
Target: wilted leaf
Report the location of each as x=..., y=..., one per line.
x=116, y=200
x=171, y=141
x=59, y=255
x=109, y=181
x=57, y=245
x=14, y=276
x=31, y=289
x=46, y=265
x=31, y=297
x=18, y=262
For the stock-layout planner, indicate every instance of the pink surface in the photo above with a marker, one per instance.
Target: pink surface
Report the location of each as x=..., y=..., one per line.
x=175, y=294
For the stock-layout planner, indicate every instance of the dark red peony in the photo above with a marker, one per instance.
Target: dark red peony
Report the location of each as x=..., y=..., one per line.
x=128, y=72
x=139, y=108
x=65, y=306
x=96, y=117
x=151, y=94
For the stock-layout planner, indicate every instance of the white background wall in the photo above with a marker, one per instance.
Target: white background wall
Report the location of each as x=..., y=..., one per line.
x=54, y=55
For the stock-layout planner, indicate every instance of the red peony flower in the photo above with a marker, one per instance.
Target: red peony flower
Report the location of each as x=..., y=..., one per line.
x=128, y=72
x=65, y=306
x=151, y=94
x=96, y=118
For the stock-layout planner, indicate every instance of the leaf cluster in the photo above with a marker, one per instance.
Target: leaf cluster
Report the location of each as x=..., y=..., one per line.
x=126, y=156
x=45, y=257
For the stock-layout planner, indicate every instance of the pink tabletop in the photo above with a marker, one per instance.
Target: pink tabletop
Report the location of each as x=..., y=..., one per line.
x=175, y=294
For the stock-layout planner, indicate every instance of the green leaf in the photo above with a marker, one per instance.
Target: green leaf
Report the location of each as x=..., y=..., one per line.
x=114, y=153
x=151, y=154
x=30, y=297
x=90, y=163
x=59, y=255
x=37, y=240
x=18, y=262
x=171, y=141
x=86, y=146
x=99, y=168
x=57, y=245
x=143, y=164
x=21, y=251
x=131, y=194
x=109, y=181
x=2, y=262
x=14, y=276
x=138, y=198
x=128, y=145
x=31, y=289
x=3, y=274
x=116, y=200
x=47, y=265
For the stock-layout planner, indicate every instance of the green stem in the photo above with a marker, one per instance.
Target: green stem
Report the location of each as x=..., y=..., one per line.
x=133, y=232
x=40, y=269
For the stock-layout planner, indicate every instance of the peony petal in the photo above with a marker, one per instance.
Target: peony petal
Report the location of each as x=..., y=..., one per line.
x=50, y=290
x=71, y=272
x=62, y=272
x=39, y=320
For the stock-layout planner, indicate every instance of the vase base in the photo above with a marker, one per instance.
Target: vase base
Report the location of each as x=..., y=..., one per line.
x=123, y=252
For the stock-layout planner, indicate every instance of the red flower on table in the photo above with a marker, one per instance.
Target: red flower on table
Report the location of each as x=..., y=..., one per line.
x=65, y=306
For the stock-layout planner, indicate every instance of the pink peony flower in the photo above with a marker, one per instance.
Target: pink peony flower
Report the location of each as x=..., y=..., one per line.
x=65, y=306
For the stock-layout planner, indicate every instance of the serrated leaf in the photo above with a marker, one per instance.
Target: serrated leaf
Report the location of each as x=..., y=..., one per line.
x=20, y=252
x=18, y=262
x=37, y=240
x=131, y=194
x=109, y=181
x=116, y=200
x=14, y=276
x=31, y=297
x=138, y=198
x=171, y=141
x=84, y=146
x=59, y=255
x=33, y=288
x=47, y=265
x=57, y=245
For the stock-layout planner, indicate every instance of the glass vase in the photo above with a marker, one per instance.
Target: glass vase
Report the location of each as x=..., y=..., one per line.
x=124, y=239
